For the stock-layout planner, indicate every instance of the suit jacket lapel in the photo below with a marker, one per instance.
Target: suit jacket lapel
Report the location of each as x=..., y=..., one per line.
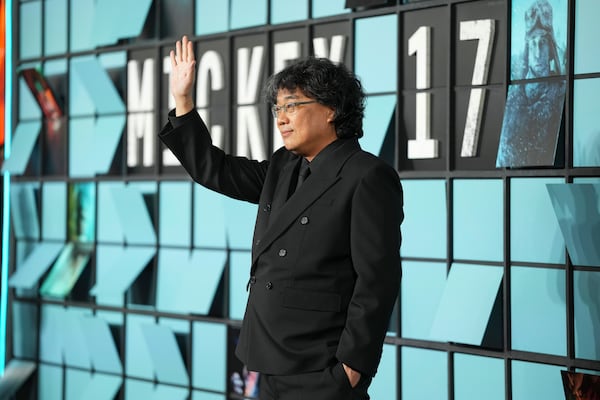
x=284, y=213
x=283, y=186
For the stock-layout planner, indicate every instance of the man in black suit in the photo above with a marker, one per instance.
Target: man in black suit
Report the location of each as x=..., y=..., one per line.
x=325, y=267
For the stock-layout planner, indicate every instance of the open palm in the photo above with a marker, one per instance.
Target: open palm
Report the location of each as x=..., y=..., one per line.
x=183, y=63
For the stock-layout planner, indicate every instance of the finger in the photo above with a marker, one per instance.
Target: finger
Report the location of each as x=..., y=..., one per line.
x=184, y=48
x=178, y=51
x=173, y=62
x=190, y=52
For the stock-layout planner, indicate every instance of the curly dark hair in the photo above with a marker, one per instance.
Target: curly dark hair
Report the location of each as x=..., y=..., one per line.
x=332, y=85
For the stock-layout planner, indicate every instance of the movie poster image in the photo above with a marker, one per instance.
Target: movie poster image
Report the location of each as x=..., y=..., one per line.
x=242, y=384
x=538, y=38
x=580, y=386
x=54, y=120
x=76, y=254
x=531, y=124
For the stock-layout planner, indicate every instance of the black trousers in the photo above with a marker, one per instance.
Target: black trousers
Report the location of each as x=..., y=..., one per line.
x=329, y=384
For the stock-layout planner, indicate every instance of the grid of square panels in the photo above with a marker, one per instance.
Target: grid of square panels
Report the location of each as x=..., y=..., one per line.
x=491, y=251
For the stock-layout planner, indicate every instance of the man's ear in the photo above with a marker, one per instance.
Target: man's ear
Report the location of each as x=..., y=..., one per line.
x=331, y=115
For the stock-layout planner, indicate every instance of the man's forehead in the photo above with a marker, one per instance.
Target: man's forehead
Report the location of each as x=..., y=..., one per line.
x=285, y=94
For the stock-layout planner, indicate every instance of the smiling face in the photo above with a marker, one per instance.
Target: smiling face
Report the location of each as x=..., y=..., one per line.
x=309, y=129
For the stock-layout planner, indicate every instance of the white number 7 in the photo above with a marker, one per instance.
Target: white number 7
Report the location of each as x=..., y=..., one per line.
x=483, y=31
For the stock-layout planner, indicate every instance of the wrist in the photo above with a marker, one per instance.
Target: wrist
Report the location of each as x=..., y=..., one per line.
x=183, y=105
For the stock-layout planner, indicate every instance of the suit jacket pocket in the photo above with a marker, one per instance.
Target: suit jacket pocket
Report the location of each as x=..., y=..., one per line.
x=310, y=300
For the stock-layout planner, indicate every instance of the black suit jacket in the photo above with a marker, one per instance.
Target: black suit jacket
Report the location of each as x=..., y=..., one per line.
x=325, y=267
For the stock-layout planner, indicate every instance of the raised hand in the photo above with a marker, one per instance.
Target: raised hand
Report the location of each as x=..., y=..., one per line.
x=183, y=68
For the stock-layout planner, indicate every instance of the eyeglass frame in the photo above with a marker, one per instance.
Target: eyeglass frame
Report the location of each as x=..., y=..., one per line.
x=289, y=108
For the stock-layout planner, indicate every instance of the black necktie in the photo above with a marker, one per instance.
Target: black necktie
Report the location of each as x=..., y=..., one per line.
x=303, y=173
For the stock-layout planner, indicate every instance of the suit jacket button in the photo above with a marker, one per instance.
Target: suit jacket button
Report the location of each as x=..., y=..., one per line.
x=257, y=242
x=267, y=207
x=268, y=285
x=282, y=252
x=304, y=220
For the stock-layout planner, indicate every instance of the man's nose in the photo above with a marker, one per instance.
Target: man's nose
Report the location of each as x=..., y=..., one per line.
x=282, y=117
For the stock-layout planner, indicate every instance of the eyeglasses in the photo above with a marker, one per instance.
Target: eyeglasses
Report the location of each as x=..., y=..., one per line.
x=289, y=108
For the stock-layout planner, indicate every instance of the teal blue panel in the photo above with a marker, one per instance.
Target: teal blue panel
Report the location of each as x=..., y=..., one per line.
x=82, y=24
x=587, y=30
x=51, y=336
x=165, y=354
x=595, y=181
x=586, y=133
x=50, y=382
x=422, y=287
x=378, y=116
x=283, y=11
x=209, y=218
x=385, y=381
x=175, y=216
x=82, y=161
x=534, y=232
x=75, y=349
x=140, y=390
x=92, y=78
x=536, y=381
x=91, y=386
x=30, y=31
x=109, y=227
x=246, y=13
x=198, y=395
x=110, y=26
x=112, y=60
x=239, y=273
x=587, y=309
x=325, y=8
x=25, y=330
x=24, y=140
x=424, y=229
x=133, y=214
x=177, y=325
x=377, y=65
x=187, y=282
x=54, y=210
x=28, y=106
x=101, y=345
x=478, y=220
x=117, y=267
x=30, y=271
x=55, y=27
x=107, y=135
x=424, y=374
x=137, y=357
x=24, y=211
x=538, y=299
x=55, y=67
x=82, y=103
x=474, y=375
x=466, y=303
x=211, y=16
x=576, y=208
x=209, y=357
x=240, y=217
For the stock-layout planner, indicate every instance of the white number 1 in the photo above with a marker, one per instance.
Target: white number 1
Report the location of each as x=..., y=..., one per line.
x=423, y=146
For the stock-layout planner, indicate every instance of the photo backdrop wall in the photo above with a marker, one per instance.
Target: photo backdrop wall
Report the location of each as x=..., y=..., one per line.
x=128, y=281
